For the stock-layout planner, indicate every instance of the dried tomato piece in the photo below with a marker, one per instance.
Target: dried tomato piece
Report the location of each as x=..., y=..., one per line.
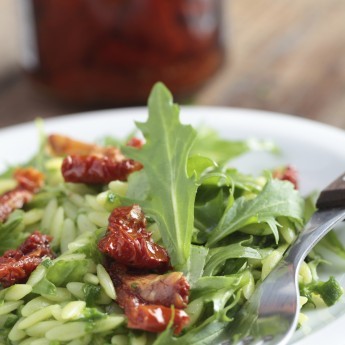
x=155, y=318
x=12, y=200
x=135, y=142
x=147, y=299
x=167, y=289
x=29, y=181
x=17, y=265
x=164, y=289
x=288, y=173
x=14, y=272
x=128, y=242
x=91, y=163
x=61, y=145
x=97, y=169
x=37, y=245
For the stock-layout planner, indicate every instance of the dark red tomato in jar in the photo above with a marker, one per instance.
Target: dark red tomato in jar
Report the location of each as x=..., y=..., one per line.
x=103, y=52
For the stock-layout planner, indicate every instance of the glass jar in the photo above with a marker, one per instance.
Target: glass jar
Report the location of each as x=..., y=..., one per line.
x=111, y=52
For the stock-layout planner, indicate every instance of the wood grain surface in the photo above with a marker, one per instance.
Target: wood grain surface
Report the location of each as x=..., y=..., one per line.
x=286, y=56
x=283, y=55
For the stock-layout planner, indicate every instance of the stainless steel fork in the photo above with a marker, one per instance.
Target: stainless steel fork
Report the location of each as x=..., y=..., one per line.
x=270, y=316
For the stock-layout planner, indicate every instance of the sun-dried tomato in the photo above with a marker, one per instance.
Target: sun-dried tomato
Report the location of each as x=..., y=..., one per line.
x=61, y=145
x=17, y=265
x=12, y=200
x=155, y=318
x=29, y=182
x=147, y=299
x=37, y=245
x=161, y=289
x=29, y=179
x=91, y=163
x=97, y=169
x=288, y=173
x=128, y=242
x=135, y=142
x=166, y=289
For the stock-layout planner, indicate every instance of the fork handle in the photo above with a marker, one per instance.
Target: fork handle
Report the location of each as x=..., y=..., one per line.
x=318, y=226
x=333, y=195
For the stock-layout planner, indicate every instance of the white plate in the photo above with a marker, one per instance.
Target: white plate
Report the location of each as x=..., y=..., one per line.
x=317, y=150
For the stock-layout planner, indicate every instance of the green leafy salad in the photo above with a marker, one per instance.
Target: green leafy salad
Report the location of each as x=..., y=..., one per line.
x=224, y=230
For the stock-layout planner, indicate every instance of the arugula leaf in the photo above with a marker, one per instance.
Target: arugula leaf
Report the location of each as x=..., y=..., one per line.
x=209, y=144
x=138, y=186
x=244, y=182
x=278, y=198
x=209, y=332
x=219, y=289
x=164, y=156
x=208, y=213
x=12, y=231
x=197, y=263
x=64, y=271
x=198, y=165
x=59, y=273
x=218, y=256
x=44, y=287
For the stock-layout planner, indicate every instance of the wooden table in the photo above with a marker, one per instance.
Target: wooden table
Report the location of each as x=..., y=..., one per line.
x=284, y=56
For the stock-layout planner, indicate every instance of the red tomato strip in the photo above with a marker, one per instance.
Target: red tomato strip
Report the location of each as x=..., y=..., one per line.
x=29, y=182
x=128, y=242
x=151, y=301
x=161, y=289
x=29, y=179
x=17, y=265
x=97, y=169
x=288, y=173
x=61, y=145
x=156, y=318
x=90, y=163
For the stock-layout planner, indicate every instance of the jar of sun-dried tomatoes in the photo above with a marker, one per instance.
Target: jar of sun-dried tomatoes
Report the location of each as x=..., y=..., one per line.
x=111, y=52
